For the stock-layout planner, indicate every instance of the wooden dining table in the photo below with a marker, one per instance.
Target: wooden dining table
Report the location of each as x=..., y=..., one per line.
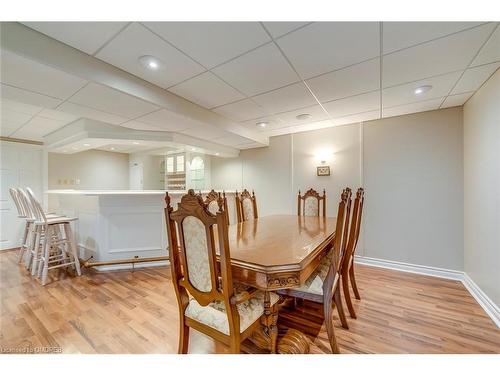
x=278, y=252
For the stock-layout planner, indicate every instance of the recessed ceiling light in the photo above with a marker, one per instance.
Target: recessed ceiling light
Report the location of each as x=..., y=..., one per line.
x=261, y=124
x=303, y=116
x=150, y=62
x=112, y=148
x=193, y=149
x=216, y=154
x=422, y=89
x=86, y=145
x=74, y=148
x=135, y=143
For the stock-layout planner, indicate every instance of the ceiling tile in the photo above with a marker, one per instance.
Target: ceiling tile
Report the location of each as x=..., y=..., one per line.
x=10, y=105
x=273, y=122
x=28, y=97
x=404, y=94
x=398, y=35
x=167, y=120
x=15, y=118
x=258, y=71
x=205, y=131
x=29, y=75
x=427, y=105
x=325, y=46
x=85, y=36
x=242, y=110
x=473, y=78
x=317, y=114
x=212, y=43
x=57, y=115
x=37, y=128
x=354, y=104
x=286, y=99
x=456, y=100
x=300, y=128
x=277, y=29
x=136, y=41
x=490, y=51
x=232, y=140
x=353, y=80
x=94, y=114
x=444, y=55
x=358, y=117
x=112, y=101
x=207, y=90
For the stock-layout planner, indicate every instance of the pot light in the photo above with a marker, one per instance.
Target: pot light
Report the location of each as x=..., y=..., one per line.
x=422, y=89
x=193, y=149
x=135, y=143
x=150, y=62
x=112, y=149
x=303, y=116
x=217, y=154
x=86, y=145
x=261, y=124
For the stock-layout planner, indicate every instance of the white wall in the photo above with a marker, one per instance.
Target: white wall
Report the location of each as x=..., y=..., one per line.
x=151, y=176
x=100, y=170
x=20, y=166
x=413, y=162
x=482, y=188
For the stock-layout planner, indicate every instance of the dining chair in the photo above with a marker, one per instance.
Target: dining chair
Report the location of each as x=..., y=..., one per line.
x=347, y=265
x=323, y=285
x=208, y=300
x=211, y=200
x=309, y=203
x=246, y=206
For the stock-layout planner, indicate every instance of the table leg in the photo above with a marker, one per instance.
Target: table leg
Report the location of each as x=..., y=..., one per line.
x=271, y=321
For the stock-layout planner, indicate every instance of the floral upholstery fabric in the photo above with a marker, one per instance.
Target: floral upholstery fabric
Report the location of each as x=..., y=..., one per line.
x=247, y=209
x=215, y=315
x=213, y=207
x=195, y=240
x=314, y=284
x=311, y=206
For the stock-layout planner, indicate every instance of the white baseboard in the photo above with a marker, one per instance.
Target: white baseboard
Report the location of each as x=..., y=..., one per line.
x=484, y=301
x=481, y=298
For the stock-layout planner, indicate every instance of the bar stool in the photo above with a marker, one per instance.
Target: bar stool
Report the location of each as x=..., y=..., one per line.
x=58, y=248
x=21, y=213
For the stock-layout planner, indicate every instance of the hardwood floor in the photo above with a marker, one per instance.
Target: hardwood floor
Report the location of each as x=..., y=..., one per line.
x=136, y=312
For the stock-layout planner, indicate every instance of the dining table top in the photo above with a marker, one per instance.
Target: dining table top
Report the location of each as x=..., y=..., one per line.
x=279, y=242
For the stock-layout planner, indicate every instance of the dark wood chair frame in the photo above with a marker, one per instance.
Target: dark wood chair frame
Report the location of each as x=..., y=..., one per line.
x=347, y=265
x=222, y=283
x=301, y=201
x=240, y=197
x=331, y=292
x=214, y=196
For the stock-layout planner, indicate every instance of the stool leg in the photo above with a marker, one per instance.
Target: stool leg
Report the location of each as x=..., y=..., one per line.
x=24, y=243
x=31, y=238
x=36, y=251
x=46, y=250
x=72, y=242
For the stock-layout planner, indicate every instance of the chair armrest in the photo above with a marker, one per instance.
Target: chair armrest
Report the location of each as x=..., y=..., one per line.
x=243, y=296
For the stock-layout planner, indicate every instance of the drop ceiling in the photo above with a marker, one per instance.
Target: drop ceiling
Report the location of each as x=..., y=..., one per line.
x=249, y=72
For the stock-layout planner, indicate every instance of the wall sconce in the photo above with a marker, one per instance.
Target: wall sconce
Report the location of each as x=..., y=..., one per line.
x=323, y=157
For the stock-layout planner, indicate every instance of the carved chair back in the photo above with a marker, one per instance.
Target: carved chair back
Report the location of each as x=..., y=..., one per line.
x=212, y=202
x=355, y=228
x=338, y=244
x=309, y=203
x=348, y=191
x=246, y=206
x=193, y=256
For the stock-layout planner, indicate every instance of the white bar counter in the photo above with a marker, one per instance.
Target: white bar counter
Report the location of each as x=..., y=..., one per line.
x=120, y=224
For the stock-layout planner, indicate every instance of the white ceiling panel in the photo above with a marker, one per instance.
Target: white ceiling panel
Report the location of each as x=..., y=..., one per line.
x=57, y=115
x=398, y=35
x=232, y=140
x=205, y=131
x=300, y=128
x=317, y=114
x=358, y=117
x=94, y=114
x=136, y=41
x=404, y=94
x=473, y=78
x=211, y=43
x=169, y=121
x=356, y=79
x=273, y=122
x=443, y=55
x=28, y=97
x=207, y=90
x=14, y=118
x=10, y=105
x=325, y=46
x=456, y=100
x=354, y=104
x=260, y=70
x=29, y=75
x=277, y=29
x=85, y=36
x=112, y=101
x=242, y=110
x=286, y=98
x=427, y=105
x=6, y=129
x=37, y=128
x=491, y=50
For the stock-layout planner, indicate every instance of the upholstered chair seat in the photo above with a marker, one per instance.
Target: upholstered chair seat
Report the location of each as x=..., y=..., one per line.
x=215, y=315
x=314, y=284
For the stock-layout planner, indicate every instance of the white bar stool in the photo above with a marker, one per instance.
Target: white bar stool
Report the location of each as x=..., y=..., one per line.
x=21, y=213
x=58, y=248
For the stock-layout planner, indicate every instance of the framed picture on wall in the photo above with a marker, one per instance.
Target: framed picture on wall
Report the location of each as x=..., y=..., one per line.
x=323, y=170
